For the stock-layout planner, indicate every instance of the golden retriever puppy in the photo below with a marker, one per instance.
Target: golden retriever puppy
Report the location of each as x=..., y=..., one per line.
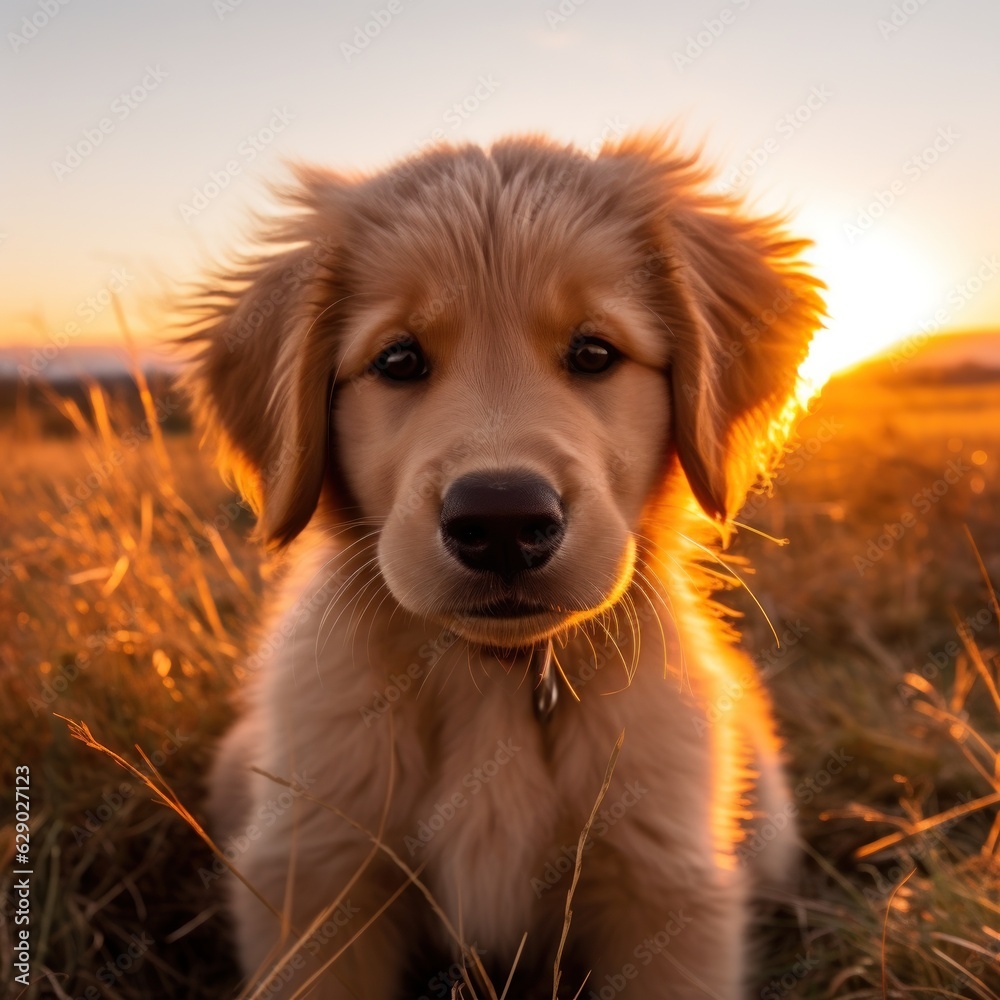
x=493, y=403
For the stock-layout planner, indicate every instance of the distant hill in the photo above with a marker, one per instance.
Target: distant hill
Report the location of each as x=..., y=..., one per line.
x=953, y=358
x=31, y=376
x=76, y=361
x=27, y=374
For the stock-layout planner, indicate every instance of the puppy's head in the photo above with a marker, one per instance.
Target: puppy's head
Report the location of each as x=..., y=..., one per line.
x=501, y=360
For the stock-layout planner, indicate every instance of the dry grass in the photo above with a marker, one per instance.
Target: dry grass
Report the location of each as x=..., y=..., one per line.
x=120, y=607
x=125, y=607
x=880, y=673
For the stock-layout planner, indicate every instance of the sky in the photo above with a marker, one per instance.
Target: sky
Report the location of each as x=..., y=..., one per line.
x=137, y=136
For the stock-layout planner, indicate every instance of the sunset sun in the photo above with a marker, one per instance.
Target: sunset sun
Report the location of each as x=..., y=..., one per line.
x=880, y=290
x=500, y=500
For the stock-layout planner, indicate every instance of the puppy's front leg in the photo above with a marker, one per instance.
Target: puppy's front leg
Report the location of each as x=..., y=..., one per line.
x=667, y=945
x=308, y=942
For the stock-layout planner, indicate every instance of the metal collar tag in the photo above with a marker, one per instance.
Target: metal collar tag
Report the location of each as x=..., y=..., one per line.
x=546, y=692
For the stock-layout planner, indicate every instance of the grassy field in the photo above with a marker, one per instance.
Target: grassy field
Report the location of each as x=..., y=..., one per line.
x=127, y=593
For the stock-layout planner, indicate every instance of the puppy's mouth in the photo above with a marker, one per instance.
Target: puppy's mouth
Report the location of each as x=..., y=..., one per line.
x=520, y=616
x=508, y=607
x=512, y=622
x=507, y=620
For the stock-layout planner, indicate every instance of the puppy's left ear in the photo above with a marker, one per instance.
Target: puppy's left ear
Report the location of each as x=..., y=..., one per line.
x=261, y=377
x=741, y=310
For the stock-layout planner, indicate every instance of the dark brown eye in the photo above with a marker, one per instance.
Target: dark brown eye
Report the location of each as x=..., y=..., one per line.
x=401, y=362
x=591, y=355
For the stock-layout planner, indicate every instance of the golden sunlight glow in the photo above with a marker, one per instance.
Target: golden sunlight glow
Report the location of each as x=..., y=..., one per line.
x=879, y=290
x=624, y=581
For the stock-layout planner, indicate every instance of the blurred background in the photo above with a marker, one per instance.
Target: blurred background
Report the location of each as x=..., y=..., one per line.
x=138, y=140
x=138, y=135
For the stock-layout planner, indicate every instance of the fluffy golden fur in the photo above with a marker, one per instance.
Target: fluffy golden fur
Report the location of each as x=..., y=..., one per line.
x=403, y=716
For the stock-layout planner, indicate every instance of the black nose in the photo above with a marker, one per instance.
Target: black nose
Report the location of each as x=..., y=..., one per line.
x=502, y=522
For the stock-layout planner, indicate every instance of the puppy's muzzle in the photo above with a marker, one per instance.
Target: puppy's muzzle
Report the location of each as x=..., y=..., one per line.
x=505, y=522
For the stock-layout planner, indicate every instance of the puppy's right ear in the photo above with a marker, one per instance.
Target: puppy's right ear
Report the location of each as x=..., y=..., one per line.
x=262, y=374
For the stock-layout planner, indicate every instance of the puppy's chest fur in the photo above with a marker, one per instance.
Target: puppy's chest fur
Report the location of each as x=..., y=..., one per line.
x=485, y=798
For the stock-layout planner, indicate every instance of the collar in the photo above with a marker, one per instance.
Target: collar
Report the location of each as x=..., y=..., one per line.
x=545, y=693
